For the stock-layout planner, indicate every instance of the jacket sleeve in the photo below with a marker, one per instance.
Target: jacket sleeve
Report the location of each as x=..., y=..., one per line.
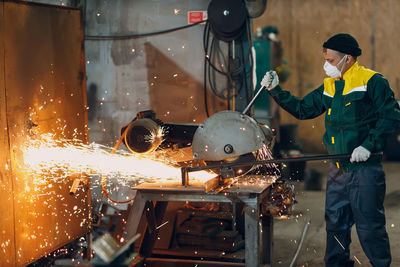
x=387, y=109
x=309, y=107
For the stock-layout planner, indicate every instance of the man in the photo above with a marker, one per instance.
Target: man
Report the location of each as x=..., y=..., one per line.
x=360, y=111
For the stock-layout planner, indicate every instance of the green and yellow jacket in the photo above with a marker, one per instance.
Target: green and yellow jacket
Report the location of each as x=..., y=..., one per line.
x=360, y=109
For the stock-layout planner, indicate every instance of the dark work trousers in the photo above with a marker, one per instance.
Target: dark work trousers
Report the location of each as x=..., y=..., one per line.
x=356, y=197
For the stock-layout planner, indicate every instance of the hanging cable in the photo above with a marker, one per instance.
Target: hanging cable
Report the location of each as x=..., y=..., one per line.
x=244, y=75
x=229, y=28
x=229, y=81
x=205, y=88
x=205, y=40
x=212, y=75
x=251, y=60
x=138, y=35
x=238, y=72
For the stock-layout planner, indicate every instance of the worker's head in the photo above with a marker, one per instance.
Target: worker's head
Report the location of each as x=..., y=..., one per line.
x=340, y=53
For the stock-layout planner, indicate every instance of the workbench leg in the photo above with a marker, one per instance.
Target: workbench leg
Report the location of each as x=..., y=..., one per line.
x=154, y=216
x=234, y=215
x=135, y=213
x=252, y=235
x=267, y=222
x=89, y=255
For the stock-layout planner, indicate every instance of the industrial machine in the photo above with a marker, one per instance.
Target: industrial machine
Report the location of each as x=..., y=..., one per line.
x=227, y=136
x=228, y=220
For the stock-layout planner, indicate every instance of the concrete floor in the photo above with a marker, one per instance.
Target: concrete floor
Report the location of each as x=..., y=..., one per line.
x=310, y=207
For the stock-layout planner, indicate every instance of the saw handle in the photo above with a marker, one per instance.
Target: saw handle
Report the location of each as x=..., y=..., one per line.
x=255, y=97
x=253, y=100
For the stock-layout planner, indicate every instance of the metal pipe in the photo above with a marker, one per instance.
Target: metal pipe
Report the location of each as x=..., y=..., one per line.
x=270, y=161
x=303, y=235
x=185, y=170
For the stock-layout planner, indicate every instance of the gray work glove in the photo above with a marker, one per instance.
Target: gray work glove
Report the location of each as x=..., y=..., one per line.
x=360, y=154
x=270, y=80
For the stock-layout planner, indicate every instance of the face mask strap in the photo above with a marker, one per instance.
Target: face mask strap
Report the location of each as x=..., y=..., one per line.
x=341, y=69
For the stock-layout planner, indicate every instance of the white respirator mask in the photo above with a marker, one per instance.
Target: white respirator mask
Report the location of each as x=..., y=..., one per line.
x=333, y=71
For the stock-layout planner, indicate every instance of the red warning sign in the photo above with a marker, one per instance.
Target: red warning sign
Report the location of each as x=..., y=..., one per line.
x=196, y=16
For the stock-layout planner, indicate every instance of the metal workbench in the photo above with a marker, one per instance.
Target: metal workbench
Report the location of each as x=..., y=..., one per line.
x=152, y=198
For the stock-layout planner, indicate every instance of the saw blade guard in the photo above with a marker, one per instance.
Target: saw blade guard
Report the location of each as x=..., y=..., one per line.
x=227, y=134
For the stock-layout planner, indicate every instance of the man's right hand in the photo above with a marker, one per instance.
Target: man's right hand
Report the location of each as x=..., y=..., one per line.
x=270, y=80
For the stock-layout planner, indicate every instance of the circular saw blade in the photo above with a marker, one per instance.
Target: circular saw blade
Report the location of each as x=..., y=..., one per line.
x=238, y=170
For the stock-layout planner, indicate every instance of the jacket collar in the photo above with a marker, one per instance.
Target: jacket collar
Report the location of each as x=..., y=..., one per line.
x=350, y=71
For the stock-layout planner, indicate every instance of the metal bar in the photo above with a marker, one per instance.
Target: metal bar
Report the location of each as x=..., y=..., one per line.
x=303, y=235
x=204, y=197
x=167, y=196
x=270, y=161
x=190, y=262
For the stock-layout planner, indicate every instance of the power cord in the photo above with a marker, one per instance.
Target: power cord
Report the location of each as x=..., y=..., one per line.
x=138, y=35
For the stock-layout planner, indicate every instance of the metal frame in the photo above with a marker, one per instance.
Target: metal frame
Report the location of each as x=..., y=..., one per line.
x=258, y=230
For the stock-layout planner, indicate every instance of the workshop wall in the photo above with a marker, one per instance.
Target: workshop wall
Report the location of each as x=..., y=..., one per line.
x=165, y=72
x=162, y=72
x=305, y=25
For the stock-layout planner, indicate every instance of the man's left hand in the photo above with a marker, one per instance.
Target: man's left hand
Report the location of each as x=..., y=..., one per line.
x=360, y=154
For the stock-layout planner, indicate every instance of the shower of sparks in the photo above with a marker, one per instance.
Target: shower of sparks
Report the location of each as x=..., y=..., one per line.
x=359, y=262
x=264, y=153
x=54, y=159
x=339, y=242
x=162, y=225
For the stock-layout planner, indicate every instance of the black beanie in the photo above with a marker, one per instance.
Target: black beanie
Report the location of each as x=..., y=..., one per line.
x=344, y=43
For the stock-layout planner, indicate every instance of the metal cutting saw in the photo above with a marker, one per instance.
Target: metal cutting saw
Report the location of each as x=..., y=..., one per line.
x=229, y=141
x=226, y=137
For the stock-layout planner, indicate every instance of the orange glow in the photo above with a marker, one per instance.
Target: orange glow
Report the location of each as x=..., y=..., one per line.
x=56, y=159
